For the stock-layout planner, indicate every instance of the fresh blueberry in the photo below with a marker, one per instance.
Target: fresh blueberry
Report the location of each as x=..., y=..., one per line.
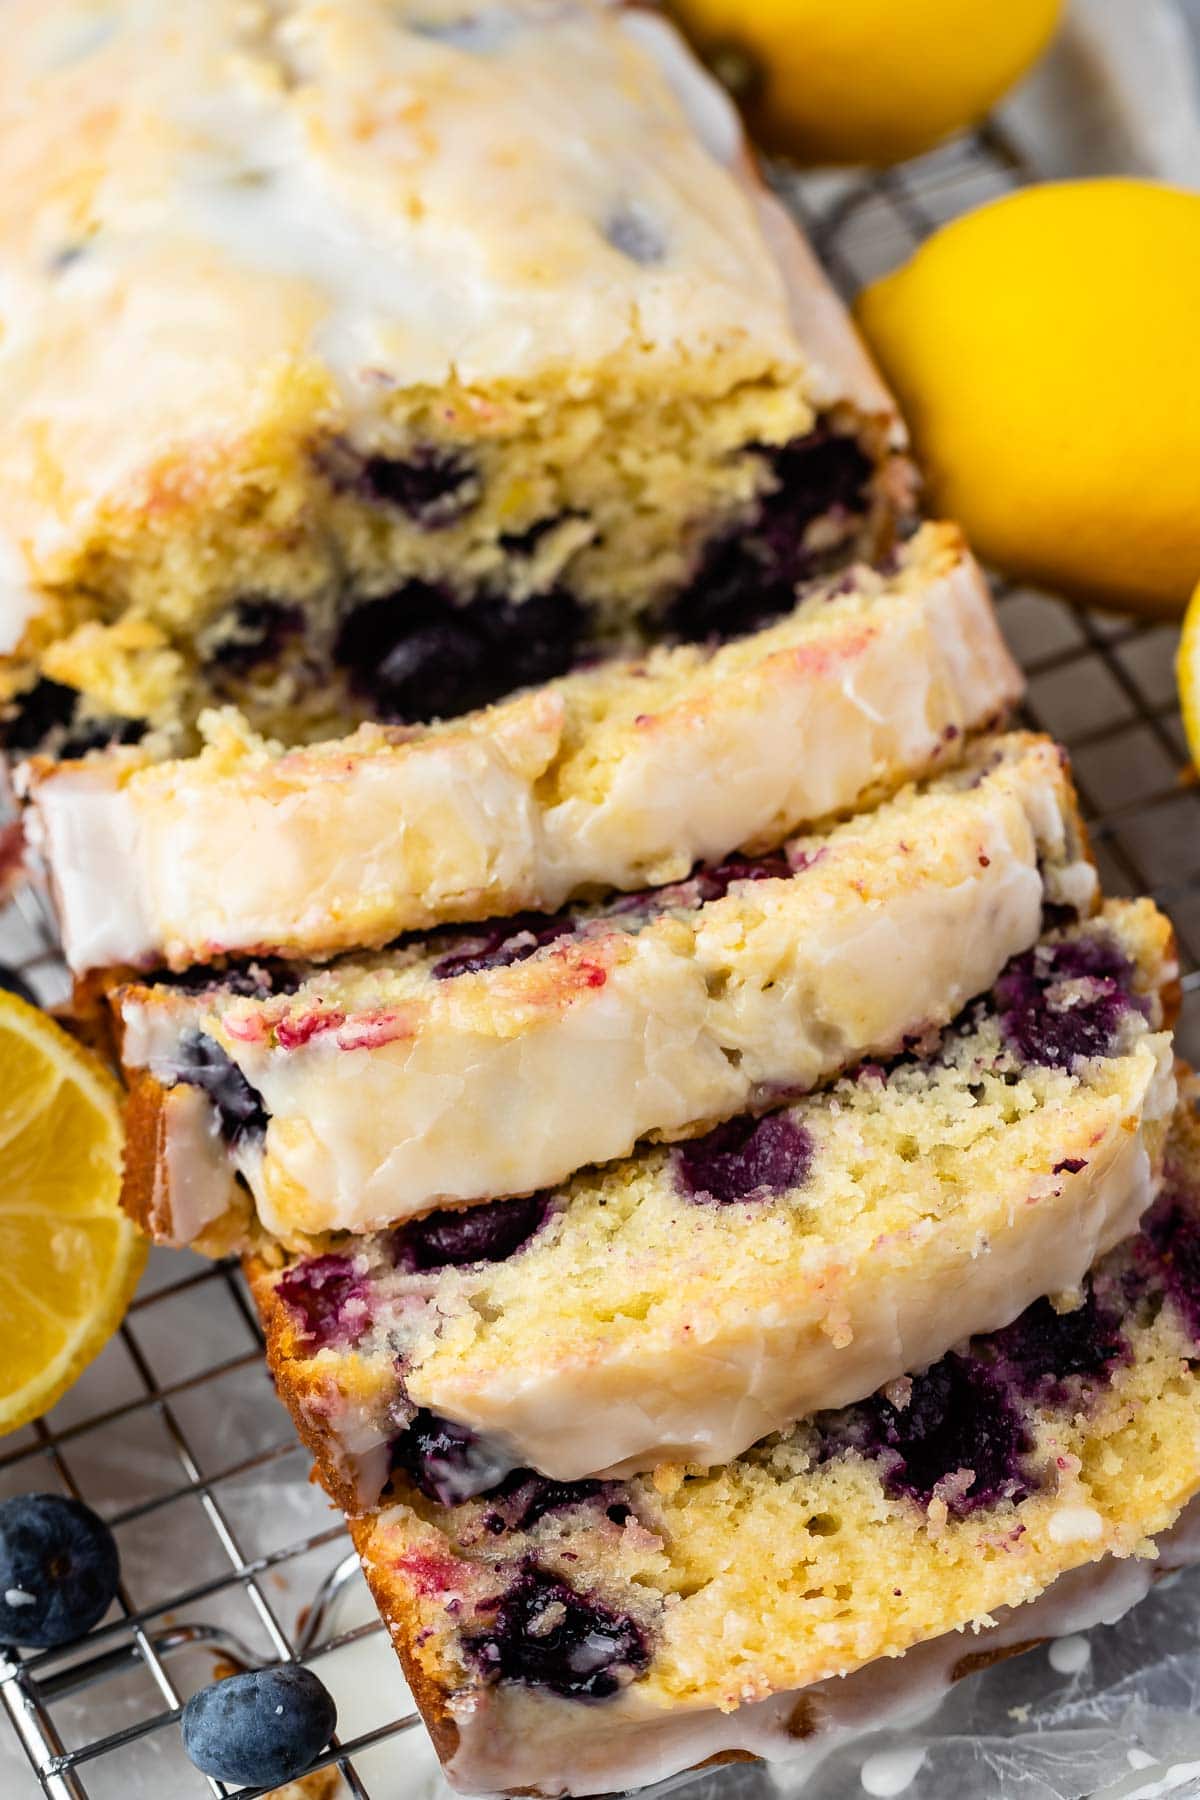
x=201, y=1062
x=544, y=1634
x=261, y=1728
x=58, y=1570
x=477, y=1234
x=745, y=1159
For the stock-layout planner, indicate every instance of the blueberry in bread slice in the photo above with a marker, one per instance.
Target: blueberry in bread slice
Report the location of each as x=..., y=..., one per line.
x=619, y=776
x=581, y=1638
x=496, y=1060
x=683, y=1304
x=376, y=361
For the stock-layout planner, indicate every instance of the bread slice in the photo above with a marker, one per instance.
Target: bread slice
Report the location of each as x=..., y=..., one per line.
x=499, y=1060
x=616, y=777
x=680, y=1306
x=375, y=360
x=587, y=1639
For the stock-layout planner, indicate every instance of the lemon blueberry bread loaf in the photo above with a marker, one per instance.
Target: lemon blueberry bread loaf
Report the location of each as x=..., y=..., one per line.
x=493, y=1061
x=373, y=359
x=683, y=1304
x=580, y=1638
x=614, y=777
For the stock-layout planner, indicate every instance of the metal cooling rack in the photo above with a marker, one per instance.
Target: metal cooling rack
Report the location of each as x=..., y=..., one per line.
x=174, y=1434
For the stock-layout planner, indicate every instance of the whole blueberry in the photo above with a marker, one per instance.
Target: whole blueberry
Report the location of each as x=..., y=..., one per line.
x=261, y=1728
x=58, y=1570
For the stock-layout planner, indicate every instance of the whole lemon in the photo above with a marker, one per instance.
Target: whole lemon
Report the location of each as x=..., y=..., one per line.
x=1046, y=350
x=852, y=81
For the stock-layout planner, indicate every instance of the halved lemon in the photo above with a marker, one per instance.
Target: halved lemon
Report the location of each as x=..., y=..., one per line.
x=1187, y=674
x=69, y=1257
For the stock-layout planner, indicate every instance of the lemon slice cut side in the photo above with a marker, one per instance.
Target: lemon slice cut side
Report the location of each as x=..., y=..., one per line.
x=69, y=1257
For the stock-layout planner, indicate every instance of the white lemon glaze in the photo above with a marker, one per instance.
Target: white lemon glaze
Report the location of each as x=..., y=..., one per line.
x=637, y=1405
x=472, y=1089
x=242, y=850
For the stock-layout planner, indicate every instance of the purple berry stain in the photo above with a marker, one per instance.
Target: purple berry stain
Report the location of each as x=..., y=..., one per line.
x=328, y=1300
x=1040, y=1352
x=1061, y=1003
x=745, y=1159
x=959, y=1418
x=543, y=1633
x=1171, y=1237
x=498, y=943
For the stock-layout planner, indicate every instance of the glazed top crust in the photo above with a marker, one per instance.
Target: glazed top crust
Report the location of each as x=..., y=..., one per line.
x=219, y=215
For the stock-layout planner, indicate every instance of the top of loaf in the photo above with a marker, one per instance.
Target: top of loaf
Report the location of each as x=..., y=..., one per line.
x=230, y=220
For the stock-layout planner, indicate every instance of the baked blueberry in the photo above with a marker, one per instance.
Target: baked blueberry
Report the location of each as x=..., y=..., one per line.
x=524, y=1497
x=1172, y=1235
x=1060, y=1003
x=434, y=486
x=477, y=1234
x=498, y=943
x=745, y=1159
x=749, y=577
x=31, y=717
x=59, y=1570
x=44, y=718
x=446, y=1462
x=328, y=1300
x=255, y=632
x=544, y=1634
x=714, y=880
x=636, y=235
x=260, y=1728
x=254, y=979
x=958, y=1417
x=420, y=654
x=1040, y=1351
x=201, y=1062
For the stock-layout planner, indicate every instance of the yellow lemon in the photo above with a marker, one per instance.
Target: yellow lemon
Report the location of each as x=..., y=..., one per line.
x=874, y=81
x=1046, y=350
x=1187, y=671
x=69, y=1257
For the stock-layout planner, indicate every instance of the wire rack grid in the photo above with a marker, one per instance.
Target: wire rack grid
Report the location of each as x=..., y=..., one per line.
x=174, y=1434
